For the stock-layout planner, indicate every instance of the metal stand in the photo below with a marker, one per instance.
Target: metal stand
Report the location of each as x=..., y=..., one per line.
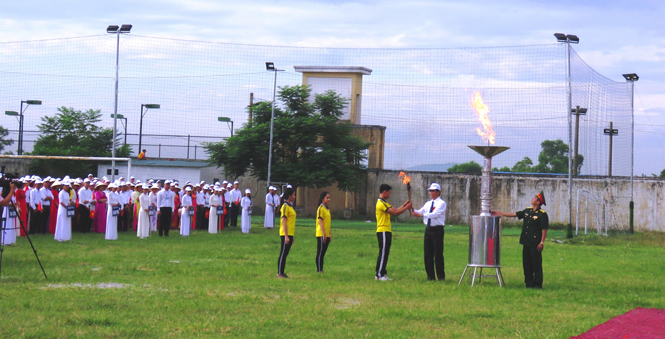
x=27, y=235
x=498, y=275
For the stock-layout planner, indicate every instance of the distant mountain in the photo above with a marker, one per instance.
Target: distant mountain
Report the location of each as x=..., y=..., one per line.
x=432, y=167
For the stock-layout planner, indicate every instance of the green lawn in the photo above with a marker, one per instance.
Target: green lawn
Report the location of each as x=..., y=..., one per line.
x=224, y=285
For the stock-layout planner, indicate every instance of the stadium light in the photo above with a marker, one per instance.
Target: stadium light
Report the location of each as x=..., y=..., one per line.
x=270, y=66
x=632, y=77
x=568, y=39
x=122, y=117
x=147, y=107
x=19, y=114
x=226, y=120
x=114, y=29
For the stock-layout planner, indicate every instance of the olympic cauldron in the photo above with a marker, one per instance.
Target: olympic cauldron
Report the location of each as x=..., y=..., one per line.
x=485, y=229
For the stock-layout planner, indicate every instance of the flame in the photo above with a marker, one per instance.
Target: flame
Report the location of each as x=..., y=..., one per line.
x=487, y=132
x=406, y=179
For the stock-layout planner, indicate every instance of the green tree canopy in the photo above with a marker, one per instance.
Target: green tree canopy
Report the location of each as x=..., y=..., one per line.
x=311, y=146
x=552, y=159
x=471, y=167
x=72, y=132
x=662, y=174
x=4, y=142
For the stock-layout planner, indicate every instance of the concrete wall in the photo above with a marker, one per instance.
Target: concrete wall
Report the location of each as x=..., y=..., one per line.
x=514, y=192
x=15, y=166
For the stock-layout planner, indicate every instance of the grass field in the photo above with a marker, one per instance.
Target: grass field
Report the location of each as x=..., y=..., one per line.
x=224, y=285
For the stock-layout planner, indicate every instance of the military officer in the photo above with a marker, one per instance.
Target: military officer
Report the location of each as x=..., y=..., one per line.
x=532, y=239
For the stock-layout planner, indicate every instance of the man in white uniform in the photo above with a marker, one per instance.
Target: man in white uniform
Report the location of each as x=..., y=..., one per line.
x=272, y=203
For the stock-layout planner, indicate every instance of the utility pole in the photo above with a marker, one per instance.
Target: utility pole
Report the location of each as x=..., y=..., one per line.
x=251, y=103
x=577, y=111
x=611, y=132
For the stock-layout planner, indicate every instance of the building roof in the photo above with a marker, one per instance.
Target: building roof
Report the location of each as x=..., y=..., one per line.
x=333, y=69
x=162, y=162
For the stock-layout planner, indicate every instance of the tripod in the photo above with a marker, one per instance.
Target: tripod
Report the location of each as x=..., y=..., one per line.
x=3, y=222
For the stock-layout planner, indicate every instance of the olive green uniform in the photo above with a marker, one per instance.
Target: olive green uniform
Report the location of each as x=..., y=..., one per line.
x=532, y=233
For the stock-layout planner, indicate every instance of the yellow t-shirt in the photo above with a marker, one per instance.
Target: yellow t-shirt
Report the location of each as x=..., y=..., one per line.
x=382, y=217
x=290, y=214
x=323, y=213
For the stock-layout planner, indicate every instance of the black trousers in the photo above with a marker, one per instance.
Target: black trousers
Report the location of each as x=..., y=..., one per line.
x=532, y=261
x=433, y=245
x=166, y=213
x=84, y=222
x=235, y=209
x=321, y=249
x=283, y=253
x=201, y=218
x=35, y=220
x=227, y=216
x=385, y=240
x=46, y=218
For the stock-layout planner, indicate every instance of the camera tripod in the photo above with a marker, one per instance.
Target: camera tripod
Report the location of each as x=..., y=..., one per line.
x=3, y=223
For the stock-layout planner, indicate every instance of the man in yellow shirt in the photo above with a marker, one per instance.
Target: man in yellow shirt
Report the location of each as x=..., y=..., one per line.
x=383, y=229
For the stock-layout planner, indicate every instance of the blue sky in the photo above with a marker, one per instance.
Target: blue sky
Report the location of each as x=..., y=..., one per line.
x=616, y=36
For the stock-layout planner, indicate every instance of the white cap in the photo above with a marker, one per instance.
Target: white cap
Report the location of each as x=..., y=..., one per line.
x=38, y=181
x=229, y=186
x=289, y=186
x=154, y=186
x=247, y=191
x=90, y=175
x=188, y=189
x=236, y=182
x=434, y=187
x=145, y=186
x=272, y=188
x=86, y=180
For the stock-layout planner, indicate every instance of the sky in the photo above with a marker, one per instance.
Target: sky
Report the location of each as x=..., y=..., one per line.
x=616, y=37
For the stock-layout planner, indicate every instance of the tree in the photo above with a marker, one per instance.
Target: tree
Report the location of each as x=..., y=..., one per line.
x=662, y=174
x=552, y=159
x=4, y=142
x=72, y=132
x=470, y=167
x=311, y=146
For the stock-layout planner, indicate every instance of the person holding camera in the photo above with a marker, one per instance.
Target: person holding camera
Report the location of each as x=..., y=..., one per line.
x=8, y=220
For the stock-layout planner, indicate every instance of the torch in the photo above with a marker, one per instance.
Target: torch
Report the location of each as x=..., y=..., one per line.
x=406, y=180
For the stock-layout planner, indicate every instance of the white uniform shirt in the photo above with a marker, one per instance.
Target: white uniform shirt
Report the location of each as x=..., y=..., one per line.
x=200, y=199
x=45, y=193
x=228, y=198
x=35, y=198
x=438, y=215
x=272, y=199
x=235, y=195
x=166, y=199
x=85, y=194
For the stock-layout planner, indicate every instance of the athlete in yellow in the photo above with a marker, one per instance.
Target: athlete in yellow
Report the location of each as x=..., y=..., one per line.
x=383, y=229
x=286, y=230
x=322, y=229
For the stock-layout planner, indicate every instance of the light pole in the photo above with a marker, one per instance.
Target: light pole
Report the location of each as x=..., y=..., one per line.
x=147, y=107
x=568, y=39
x=611, y=132
x=226, y=120
x=632, y=77
x=114, y=29
x=577, y=111
x=20, y=121
x=122, y=117
x=270, y=66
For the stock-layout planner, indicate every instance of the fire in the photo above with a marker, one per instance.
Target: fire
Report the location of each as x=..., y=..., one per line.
x=487, y=132
x=406, y=179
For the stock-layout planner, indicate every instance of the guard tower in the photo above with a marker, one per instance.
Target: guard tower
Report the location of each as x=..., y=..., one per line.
x=347, y=81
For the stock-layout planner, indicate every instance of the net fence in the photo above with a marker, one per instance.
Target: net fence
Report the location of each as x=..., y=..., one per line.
x=421, y=95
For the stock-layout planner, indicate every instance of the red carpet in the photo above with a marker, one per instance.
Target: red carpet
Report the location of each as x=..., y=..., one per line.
x=642, y=323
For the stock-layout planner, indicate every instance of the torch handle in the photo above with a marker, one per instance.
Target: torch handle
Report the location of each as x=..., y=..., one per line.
x=408, y=189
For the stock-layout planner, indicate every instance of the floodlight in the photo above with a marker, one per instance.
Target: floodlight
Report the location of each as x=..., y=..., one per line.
x=125, y=28
x=33, y=102
x=270, y=66
x=631, y=77
x=112, y=29
x=12, y=113
x=560, y=37
x=118, y=116
x=573, y=38
x=224, y=119
x=156, y=106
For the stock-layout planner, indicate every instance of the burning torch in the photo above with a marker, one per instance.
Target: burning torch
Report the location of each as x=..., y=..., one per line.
x=406, y=180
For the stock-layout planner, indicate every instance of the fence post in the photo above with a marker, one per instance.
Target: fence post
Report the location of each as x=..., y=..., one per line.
x=160, y=150
x=195, y=151
x=188, y=146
